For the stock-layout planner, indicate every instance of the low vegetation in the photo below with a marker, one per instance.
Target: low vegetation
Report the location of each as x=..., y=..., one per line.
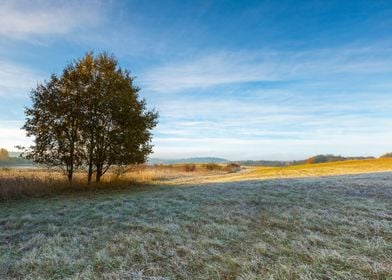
x=6, y=160
x=26, y=182
x=295, y=171
x=38, y=182
x=309, y=228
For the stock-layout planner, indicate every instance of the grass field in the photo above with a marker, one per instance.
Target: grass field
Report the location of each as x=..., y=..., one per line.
x=337, y=227
x=34, y=182
x=297, y=171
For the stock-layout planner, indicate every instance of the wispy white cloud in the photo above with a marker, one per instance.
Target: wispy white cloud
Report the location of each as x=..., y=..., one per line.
x=257, y=66
x=281, y=124
x=270, y=106
x=28, y=19
x=276, y=149
x=17, y=80
x=335, y=102
x=205, y=71
x=236, y=148
x=300, y=125
x=11, y=135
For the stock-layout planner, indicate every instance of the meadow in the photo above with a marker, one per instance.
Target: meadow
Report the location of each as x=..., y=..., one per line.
x=35, y=182
x=298, y=222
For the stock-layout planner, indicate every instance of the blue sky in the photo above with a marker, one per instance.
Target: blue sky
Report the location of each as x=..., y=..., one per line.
x=234, y=79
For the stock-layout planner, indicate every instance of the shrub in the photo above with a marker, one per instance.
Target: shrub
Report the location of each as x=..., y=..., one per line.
x=233, y=167
x=212, y=166
x=387, y=155
x=189, y=167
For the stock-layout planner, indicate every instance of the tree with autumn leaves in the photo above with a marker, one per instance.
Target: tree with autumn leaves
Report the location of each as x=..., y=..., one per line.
x=90, y=117
x=4, y=155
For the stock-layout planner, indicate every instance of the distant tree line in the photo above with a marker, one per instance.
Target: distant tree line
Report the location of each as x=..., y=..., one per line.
x=387, y=155
x=89, y=118
x=6, y=159
x=311, y=160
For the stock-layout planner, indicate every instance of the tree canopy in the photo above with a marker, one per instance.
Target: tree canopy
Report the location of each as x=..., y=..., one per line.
x=4, y=154
x=90, y=117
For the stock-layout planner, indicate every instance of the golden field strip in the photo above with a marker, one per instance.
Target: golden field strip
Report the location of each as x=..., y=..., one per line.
x=36, y=182
x=16, y=182
x=296, y=171
x=326, y=169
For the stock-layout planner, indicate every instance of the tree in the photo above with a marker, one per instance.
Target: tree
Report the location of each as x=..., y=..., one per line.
x=54, y=121
x=4, y=154
x=90, y=117
x=387, y=155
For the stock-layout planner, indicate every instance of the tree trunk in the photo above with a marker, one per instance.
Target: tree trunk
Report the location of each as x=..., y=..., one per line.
x=90, y=173
x=71, y=162
x=90, y=159
x=70, y=175
x=69, y=172
x=98, y=174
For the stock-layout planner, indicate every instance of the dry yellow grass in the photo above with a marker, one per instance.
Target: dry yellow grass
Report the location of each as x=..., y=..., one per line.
x=41, y=181
x=161, y=173
x=36, y=182
x=298, y=171
x=326, y=169
x=26, y=182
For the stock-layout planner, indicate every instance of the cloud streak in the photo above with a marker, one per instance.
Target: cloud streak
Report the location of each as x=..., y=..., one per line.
x=25, y=20
x=273, y=124
x=17, y=80
x=11, y=135
x=267, y=66
x=275, y=149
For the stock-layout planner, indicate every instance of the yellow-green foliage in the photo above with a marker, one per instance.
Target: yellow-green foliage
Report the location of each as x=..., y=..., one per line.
x=4, y=154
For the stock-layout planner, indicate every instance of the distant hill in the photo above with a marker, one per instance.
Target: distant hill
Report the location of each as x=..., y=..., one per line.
x=332, y=158
x=15, y=162
x=312, y=160
x=273, y=163
x=188, y=160
x=14, y=154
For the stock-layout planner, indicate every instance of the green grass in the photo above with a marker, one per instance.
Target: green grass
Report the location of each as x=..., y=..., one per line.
x=312, y=228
